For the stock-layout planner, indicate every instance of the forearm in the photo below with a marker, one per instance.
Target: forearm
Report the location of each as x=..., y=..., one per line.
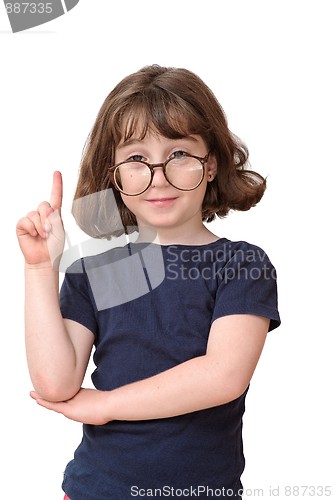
x=50, y=352
x=218, y=377
x=194, y=385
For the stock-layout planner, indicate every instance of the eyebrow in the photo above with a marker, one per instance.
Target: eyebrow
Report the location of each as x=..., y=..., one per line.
x=130, y=142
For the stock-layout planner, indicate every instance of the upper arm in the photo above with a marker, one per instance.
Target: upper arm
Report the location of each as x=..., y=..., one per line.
x=234, y=346
x=82, y=339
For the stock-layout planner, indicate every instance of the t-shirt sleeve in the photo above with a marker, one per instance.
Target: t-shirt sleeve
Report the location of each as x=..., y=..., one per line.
x=76, y=302
x=248, y=285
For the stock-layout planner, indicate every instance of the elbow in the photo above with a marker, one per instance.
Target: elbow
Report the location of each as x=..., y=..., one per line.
x=53, y=391
x=228, y=395
x=230, y=389
x=236, y=391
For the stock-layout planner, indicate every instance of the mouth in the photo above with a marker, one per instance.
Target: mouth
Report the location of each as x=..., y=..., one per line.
x=161, y=202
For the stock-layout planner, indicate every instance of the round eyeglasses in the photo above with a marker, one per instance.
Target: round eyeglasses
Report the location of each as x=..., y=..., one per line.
x=184, y=172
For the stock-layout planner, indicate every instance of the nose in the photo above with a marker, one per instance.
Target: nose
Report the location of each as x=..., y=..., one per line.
x=159, y=179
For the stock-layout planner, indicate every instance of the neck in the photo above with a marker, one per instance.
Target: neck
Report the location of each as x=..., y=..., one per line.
x=166, y=236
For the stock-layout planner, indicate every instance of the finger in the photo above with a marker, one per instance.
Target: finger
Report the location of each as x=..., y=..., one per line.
x=45, y=211
x=56, y=193
x=59, y=407
x=55, y=237
x=25, y=226
x=38, y=223
x=53, y=223
x=50, y=405
x=34, y=395
x=40, y=217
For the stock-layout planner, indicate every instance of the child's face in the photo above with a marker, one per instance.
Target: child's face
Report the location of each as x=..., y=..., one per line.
x=162, y=206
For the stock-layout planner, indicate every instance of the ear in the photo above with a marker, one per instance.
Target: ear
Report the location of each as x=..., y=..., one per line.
x=211, y=167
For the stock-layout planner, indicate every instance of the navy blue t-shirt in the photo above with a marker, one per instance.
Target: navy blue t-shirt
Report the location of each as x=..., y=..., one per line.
x=150, y=308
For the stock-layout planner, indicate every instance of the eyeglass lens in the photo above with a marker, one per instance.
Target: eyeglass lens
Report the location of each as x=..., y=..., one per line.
x=184, y=173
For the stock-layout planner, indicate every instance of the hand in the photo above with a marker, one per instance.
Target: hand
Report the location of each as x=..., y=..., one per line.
x=41, y=234
x=88, y=406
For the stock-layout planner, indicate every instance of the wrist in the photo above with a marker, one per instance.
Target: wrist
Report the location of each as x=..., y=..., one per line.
x=40, y=269
x=40, y=265
x=107, y=410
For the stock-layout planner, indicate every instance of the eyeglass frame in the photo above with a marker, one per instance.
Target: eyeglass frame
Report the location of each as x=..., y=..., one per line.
x=151, y=166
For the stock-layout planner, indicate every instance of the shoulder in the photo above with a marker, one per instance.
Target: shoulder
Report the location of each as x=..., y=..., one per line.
x=82, y=264
x=245, y=251
x=239, y=252
x=246, y=262
x=247, y=283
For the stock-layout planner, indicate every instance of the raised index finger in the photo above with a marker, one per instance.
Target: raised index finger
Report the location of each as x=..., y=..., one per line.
x=56, y=193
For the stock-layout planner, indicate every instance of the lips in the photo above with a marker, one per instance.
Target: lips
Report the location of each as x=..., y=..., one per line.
x=161, y=202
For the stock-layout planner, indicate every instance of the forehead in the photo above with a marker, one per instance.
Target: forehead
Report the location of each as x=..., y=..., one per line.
x=154, y=138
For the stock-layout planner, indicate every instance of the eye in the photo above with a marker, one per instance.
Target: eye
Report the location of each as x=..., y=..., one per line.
x=136, y=158
x=178, y=154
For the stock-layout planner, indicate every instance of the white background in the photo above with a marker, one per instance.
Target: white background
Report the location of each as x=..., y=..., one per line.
x=270, y=65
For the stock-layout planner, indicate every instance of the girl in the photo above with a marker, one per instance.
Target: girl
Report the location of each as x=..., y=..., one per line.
x=178, y=318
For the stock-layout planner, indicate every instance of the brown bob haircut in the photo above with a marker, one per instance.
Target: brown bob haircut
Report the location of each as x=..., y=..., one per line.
x=175, y=103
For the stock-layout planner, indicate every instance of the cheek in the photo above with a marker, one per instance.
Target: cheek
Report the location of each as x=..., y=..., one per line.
x=202, y=190
x=127, y=200
x=195, y=198
x=131, y=202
